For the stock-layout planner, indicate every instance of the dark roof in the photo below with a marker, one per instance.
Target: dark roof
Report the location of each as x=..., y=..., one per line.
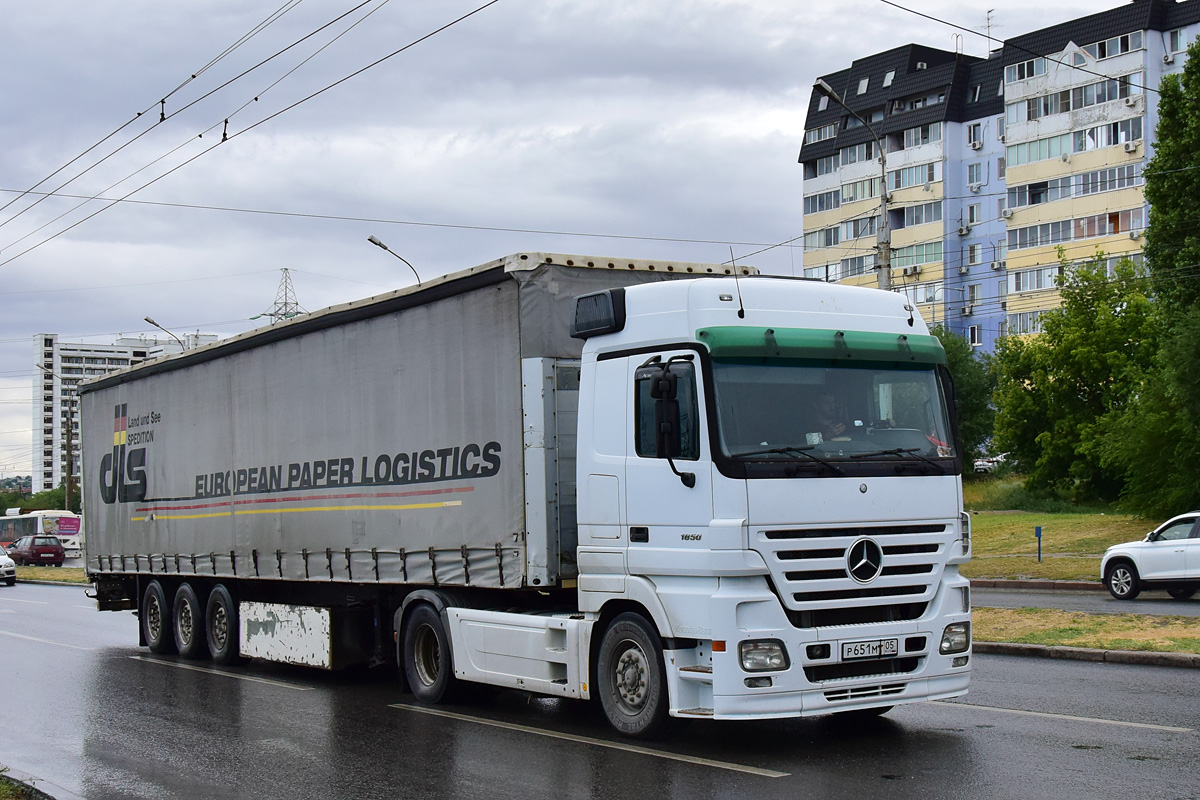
x=1139, y=15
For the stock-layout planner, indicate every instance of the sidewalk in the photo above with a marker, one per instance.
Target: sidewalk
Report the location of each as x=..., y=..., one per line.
x=1037, y=585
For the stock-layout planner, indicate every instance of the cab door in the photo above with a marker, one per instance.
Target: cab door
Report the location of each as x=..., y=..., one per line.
x=668, y=492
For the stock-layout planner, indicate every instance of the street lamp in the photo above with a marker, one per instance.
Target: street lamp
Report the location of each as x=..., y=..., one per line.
x=375, y=241
x=69, y=438
x=167, y=332
x=885, y=233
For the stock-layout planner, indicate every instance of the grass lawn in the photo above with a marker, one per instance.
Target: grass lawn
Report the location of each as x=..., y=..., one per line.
x=1077, y=629
x=64, y=574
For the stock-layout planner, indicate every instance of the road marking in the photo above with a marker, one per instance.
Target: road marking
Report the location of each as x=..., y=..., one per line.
x=222, y=673
x=46, y=641
x=629, y=748
x=31, y=602
x=1069, y=717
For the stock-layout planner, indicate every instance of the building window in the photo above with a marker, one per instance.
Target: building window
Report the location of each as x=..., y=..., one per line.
x=915, y=176
x=1178, y=41
x=857, y=153
x=889, y=77
x=974, y=93
x=1024, y=70
x=822, y=103
x=974, y=214
x=860, y=190
x=1000, y=167
x=919, y=215
x=827, y=237
x=976, y=335
x=975, y=173
x=825, y=201
x=917, y=254
x=924, y=134
x=862, y=85
x=1113, y=133
x=1114, y=46
x=857, y=265
x=820, y=134
x=974, y=254
x=975, y=134
x=1038, y=150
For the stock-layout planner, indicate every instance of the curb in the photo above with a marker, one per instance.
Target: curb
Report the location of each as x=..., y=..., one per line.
x=41, y=786
x=1142, y=658
x=999, y=583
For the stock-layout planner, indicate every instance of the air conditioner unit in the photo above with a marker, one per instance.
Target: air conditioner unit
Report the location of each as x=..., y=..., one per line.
x=968, y=310
x=976, y=145
x=910, y=271
x=1131, y=147
x=974, y=187
x=1006, y=213
x=997, y=265
x=1169, y=58
x=963, y=230
x=1000, y=136
x=963, y=270
x=922, y=65
x=1135, y=234
x=1132, y=100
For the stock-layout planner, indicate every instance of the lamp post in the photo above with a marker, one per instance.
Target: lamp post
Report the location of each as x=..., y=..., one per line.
x=884, y=232
x=68, y=439
x=375, y=241
x=167, y=332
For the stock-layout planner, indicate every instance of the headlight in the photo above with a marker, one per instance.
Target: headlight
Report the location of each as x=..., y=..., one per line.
x=763, y=656
x=956, y=638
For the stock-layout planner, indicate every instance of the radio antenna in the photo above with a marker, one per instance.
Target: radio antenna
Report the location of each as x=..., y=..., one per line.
x=738, y=286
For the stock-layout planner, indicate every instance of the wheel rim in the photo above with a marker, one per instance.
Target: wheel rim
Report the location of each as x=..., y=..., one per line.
x=427, y=655
x=629, y=678
x=1121, y=581
x=154, y=622
x=220, y=627
x=185, y=622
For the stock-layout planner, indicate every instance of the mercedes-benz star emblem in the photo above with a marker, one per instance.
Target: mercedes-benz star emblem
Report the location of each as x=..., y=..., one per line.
x=864, y=560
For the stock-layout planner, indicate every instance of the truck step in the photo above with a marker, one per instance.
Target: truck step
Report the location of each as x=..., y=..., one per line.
x=698, y=668
x=701, y=673
x=695, y=712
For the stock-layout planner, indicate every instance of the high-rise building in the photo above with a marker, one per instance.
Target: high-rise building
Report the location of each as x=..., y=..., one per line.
x=63, y=366
x=992, y=164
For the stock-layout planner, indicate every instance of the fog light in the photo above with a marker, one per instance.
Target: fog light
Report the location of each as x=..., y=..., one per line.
x=816, y=652
x=758, y=683
x=763, y=655
x=956, y=638
x=959, y=661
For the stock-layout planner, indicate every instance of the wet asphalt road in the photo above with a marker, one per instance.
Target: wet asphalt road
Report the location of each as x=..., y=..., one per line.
x=1156, y=603
x=83, y=706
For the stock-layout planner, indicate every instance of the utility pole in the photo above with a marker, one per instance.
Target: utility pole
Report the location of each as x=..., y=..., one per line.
x=884, y=239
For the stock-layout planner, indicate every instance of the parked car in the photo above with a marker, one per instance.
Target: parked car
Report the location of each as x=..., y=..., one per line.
x=8, y=569
x=989, y=463
x=40, y=550
x=1168, y=558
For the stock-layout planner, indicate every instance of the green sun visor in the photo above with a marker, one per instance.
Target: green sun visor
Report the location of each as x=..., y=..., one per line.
x=749, y=342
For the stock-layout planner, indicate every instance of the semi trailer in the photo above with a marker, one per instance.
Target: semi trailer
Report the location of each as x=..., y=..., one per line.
x=683, y=490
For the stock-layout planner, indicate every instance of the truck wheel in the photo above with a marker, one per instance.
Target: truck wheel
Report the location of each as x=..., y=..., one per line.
x=1122, y=581
x=221, y=618
x=630, y=678
x=188, y=624
x=428, y=665
x=156, y=620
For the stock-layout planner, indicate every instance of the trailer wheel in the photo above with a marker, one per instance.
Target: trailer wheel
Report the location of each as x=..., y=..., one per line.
x=222, y=626
x=427, y=662
x=156, y=620
x=188, y=623
x=630, y=678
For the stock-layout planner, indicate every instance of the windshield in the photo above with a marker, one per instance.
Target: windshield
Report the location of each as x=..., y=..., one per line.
x=772, y=408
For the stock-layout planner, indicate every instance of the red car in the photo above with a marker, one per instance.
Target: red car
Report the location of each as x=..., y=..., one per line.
x=38, y=550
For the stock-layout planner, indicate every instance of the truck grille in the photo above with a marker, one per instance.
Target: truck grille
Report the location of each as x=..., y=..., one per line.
x=861, y=669
x=810, y=570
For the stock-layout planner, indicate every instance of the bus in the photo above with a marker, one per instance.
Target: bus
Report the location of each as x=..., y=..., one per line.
x=67, y=526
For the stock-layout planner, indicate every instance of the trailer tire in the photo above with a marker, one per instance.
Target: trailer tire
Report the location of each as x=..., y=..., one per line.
x=222, y=626
x=156, y=620
x=428, y=664
x=631, y=678
x=187, y=622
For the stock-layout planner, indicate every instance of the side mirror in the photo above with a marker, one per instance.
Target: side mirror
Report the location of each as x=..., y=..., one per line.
x=668, y=435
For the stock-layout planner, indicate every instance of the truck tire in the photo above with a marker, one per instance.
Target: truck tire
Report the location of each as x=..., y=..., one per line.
x=428, y=664
x=631, y=678
x=187, y=622
x=222, y=626
x=156, y=620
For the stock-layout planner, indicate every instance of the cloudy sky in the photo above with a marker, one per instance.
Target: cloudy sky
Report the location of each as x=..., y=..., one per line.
x=661, y=129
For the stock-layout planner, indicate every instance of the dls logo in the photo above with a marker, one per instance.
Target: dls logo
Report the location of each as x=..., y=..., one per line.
x=123, y=471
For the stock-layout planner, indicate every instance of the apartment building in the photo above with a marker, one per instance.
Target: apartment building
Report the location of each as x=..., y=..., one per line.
x=64, y=365
x=992, y=164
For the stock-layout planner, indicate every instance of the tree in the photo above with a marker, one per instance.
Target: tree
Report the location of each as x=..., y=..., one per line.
x=973, y=386
x=1056, y=392
x=1155, y=441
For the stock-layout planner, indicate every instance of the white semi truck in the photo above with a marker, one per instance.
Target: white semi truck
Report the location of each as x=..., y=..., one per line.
x=680, y=489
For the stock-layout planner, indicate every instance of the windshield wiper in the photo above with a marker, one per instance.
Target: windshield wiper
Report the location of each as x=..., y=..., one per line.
x=901, y=452
x=791, y=451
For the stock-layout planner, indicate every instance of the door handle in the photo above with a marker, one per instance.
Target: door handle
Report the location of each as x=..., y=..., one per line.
x=639, y=534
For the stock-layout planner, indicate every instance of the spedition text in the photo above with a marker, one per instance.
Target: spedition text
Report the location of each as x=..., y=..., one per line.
x=422, y=466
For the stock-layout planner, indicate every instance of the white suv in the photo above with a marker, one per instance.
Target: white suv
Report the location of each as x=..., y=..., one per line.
x=8, y=569
x=1168, y=558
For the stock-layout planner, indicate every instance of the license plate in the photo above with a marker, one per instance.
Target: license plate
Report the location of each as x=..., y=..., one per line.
x=875, y=648
x=47, y=555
